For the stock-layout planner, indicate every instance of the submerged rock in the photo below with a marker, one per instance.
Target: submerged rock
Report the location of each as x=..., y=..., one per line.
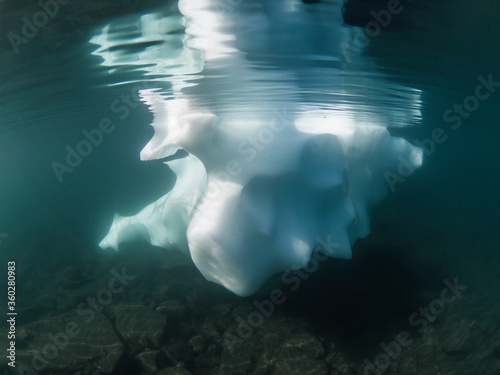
x=298, y=355
x=140, y=325
x=293, y=362
x=409, y=366
x=306, y=343
x=197, y=343
x=110, y=360
x=172, y=308
x=178, y=353
x=153, y=360
x=176, y=370
x=495, y=344
x=68, y=342
x=236, y=361
x=457, y=338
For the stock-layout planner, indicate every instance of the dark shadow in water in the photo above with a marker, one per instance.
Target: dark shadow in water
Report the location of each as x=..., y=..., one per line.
x=384, y=283
x=361, y=12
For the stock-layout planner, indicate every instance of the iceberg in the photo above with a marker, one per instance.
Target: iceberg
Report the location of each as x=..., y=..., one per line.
x=277, y=160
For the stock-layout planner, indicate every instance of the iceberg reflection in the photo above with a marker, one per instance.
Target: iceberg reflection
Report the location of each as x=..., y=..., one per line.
x=287, y=144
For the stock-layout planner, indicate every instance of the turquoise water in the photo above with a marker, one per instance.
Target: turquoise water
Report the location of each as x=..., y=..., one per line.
x=439, y=222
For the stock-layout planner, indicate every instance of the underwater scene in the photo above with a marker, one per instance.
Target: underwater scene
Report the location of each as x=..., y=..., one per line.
x=261, y=187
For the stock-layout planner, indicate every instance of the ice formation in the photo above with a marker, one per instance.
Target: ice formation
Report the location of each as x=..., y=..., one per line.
x=271, y=169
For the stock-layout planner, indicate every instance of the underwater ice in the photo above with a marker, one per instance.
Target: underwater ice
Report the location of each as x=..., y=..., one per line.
x=268, y=174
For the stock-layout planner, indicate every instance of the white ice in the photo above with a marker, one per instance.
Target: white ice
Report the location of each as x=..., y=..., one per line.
x=269, y=174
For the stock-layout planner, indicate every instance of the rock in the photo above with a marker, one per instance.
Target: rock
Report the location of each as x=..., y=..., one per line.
x=221, y=309
x=173, y=308
x=241, y=312
x=430, y=337
x=152, y=360
x=210, y=358
x=457, y=338
x=175, y=370
x=262, y=365
x=408, y=366
x=206, y=360
x=495, y=344
x=294, y=362
x=45, y=303
x=297, y=356
x=209, y=328
x=328, y=344
x=343, y=369
x=178, y=352
x=428, y=369
x=307, y=344
x=140, y=325
x=236, y=361
x=489, y=326
x=71, y=277
x=22, y=335
x=110, y=360
x=272, y=335
x=185, y=328
x=162, y=290
x=70, y=341
x=197, y=343
x=338, y=362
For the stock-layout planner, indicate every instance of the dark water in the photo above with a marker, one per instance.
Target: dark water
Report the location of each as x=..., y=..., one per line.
x=440, y=223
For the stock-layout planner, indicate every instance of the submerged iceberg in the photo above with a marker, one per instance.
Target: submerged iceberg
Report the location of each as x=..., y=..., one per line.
x=277, y=159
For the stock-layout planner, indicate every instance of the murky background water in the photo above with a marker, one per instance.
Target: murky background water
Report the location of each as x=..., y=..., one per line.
x=440, y=223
